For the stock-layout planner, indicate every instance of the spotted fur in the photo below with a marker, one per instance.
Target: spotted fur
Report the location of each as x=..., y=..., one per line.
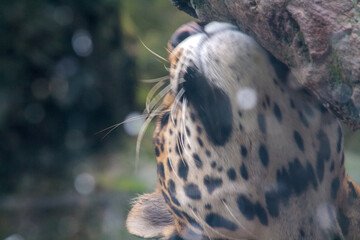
x=243, y=152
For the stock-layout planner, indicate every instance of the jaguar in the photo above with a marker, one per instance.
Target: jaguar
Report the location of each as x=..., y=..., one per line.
x=243, y=151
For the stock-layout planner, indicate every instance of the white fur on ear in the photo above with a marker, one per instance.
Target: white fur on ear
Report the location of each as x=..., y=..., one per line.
x=150, y=217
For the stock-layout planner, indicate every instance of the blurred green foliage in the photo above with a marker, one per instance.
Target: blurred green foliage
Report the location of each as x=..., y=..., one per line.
x=151, y=23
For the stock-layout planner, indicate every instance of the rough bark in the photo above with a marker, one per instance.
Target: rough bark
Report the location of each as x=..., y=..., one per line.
x=319, y=40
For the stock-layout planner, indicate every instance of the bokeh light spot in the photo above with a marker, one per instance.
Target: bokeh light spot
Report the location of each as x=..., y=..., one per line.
x=325, y=215
x=15, y=237
x=67, y=67
x=246, y=98
x=84, y=183
x=82, y=43
x=133, y=123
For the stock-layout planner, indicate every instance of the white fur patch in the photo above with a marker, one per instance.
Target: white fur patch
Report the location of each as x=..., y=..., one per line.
x=326, y=216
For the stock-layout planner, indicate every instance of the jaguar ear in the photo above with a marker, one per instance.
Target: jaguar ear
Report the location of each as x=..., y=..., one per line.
x=149, y=217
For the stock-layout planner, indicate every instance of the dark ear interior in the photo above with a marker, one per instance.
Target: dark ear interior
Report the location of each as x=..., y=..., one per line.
x=149, y=217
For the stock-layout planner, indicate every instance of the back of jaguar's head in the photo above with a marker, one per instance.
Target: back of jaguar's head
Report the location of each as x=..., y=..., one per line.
x=242, y=151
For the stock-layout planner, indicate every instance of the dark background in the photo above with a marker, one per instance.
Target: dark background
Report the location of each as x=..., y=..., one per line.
x=69, y=69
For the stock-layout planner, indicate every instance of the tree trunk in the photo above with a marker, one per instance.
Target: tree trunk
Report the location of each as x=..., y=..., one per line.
x=318, y=40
